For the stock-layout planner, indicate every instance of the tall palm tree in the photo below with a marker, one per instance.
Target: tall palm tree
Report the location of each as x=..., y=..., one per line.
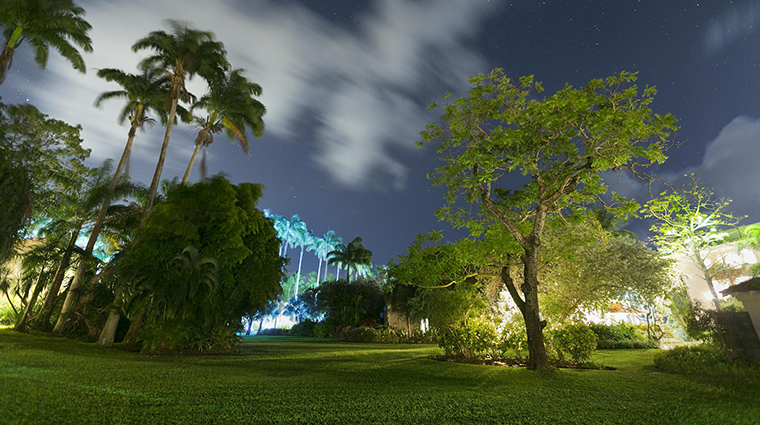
x=230, y=106
x=179, y=55
x=306, y=242
x=43, y=23
x=145, y=92
x=322, y=246
x=78, y=209
x=350, y=256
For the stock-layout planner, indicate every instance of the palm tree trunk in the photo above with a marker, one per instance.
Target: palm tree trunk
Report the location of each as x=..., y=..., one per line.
x=319, y=271
x=71, y=294
x=162, y=156
x=6, y=58
x=134, y=328
x=108, y=333
x=21, y=325
x=298, y=275
x=186, y=177
x=43, y=321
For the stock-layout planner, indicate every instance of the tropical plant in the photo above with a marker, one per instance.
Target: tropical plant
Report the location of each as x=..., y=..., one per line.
x=230, y=105
x=79, y=210
x=42, y=24
x=179, y=55
x=350, y=256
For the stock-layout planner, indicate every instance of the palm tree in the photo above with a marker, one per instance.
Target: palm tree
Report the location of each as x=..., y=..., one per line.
x=350, y=256
x=231, y=106
x=322, y=246
x=305, y=239
x=43, y=23
x=179, y=55
x=77, y=210
x=144, y=92
x=612, y=223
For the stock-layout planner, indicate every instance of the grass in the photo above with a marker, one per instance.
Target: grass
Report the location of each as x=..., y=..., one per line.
x=277, y=380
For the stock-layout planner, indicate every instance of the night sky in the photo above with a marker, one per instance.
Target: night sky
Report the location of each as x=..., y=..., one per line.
x=346, y=85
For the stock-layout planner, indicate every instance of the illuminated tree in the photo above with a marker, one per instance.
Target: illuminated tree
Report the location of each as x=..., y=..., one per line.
x=350, y=256
x=691, y=221
x=500, y=133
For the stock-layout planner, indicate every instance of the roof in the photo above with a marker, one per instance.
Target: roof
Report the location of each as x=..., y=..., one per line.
x=752, y=284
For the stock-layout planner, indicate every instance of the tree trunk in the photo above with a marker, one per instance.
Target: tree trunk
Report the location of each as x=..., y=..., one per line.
x=21, y=325
x=43, y=320
x=134, y=328
x=162, y=156
x=71, y=294
x=109, y=329
x=298, y=275
x=248, y=328
x=533, y=324
x=6, y=57
x=319, y=270
x=186, y=177
x=261, y=323
x=708, y=279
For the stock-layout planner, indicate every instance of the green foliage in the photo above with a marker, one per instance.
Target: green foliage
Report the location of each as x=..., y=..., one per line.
x=620, y=336
x=233, y=269
x=579, y=341
x=344, y=303
x=350, y=256
x=304, y=328
x=43, y=24
x=475, y=338
x=692, y=359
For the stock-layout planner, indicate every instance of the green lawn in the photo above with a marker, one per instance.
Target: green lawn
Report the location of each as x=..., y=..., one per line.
x=289, y=380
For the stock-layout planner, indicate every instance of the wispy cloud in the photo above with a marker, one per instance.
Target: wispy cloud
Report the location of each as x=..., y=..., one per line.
x=731, y=25
x=366, y=86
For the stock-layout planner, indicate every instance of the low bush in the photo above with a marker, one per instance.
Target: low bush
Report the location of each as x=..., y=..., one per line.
x=274, y=332
x=621, y=336
x=472, y=339
x=377, y=333
x=304, y=328
x=359, y=334
x=577, y=341
x=692, y=359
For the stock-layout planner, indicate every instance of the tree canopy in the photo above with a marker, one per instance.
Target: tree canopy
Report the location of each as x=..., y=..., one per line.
x=560, y=145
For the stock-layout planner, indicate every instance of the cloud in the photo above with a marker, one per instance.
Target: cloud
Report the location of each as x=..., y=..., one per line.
x=730, y=166
x=733, y=24
x=367, y=86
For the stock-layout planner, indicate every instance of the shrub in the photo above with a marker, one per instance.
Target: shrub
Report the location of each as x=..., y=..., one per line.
x=274, y=332
x=620, y=336
x=358, y=334
x=304, y=328
x=579, y=341
x=471, y=339
x=692, y=359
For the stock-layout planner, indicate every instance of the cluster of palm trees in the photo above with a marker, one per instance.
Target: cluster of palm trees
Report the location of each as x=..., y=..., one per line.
x=157, y=89
x=329, y=249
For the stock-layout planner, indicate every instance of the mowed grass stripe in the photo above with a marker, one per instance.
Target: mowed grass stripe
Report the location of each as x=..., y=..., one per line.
x=290, y=380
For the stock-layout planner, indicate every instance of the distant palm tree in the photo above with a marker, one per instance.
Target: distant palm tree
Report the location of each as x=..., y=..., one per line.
x=43, y=23
x=230, y=106
x=179, y=55
x=322, y=246
x=351, y=255
x=305, y=239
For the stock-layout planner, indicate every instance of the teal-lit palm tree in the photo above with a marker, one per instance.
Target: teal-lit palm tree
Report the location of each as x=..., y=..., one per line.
x=230, y=105
x=322, y=246
x=179, y=55
x=304, y=239
x=350, y=256
x=43, y=24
